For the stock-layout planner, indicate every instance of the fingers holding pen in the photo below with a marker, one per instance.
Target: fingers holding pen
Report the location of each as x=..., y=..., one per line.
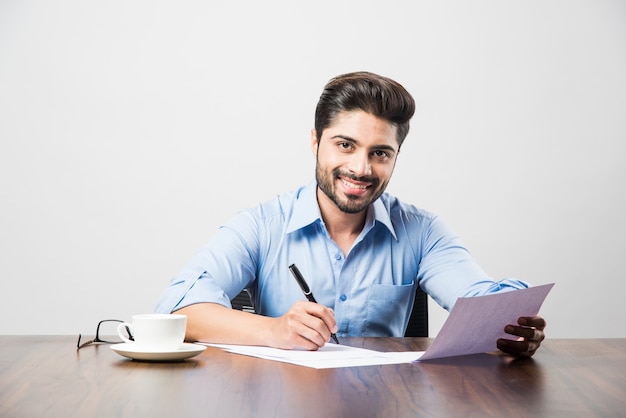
x=306, y=325
x=320, y=319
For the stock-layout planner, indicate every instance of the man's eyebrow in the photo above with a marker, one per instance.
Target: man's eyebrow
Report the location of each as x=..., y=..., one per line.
x=346, y=138
x=382, y=147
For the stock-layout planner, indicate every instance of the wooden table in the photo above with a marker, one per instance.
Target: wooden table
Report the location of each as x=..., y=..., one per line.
x=44, y=376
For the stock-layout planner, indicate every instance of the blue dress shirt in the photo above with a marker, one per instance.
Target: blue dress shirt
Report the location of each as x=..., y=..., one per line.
x=371, y=290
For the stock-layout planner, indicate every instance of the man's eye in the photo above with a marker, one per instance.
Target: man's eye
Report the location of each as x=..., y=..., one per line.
x=345, y=145
x=381, y=154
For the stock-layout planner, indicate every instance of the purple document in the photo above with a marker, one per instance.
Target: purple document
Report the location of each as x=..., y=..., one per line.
x=475, y=323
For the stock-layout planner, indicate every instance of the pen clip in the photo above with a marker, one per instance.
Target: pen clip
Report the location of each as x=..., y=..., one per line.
x=301, y=282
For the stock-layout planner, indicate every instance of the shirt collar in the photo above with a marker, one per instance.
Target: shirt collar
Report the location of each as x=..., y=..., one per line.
x=307, y=211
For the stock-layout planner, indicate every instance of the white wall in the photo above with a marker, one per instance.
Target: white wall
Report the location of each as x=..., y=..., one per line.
x=129, y=130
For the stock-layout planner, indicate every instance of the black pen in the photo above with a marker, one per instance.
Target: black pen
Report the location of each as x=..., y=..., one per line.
x=306, y=290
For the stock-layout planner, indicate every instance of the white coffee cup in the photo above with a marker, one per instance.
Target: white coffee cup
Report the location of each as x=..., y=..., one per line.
x=155, y=332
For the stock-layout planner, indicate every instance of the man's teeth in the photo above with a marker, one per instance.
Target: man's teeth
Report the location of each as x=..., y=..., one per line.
x=352, y=185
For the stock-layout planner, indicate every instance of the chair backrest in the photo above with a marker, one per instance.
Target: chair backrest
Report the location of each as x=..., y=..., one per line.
x=242, y=302
x=418, y=321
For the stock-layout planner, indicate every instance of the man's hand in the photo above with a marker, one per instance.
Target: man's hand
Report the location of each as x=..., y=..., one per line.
x=530, y=331
x=306, y=325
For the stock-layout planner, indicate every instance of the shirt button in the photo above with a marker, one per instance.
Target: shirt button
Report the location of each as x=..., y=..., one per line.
x=337, y=256
x=343, y=298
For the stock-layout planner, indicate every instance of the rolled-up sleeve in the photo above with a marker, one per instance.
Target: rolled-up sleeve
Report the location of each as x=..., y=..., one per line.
x=190, y=287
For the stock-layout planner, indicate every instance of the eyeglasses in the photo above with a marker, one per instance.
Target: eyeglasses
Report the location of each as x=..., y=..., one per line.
x=108, y=329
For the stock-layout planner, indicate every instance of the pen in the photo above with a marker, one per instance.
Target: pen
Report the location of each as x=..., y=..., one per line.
x=306, y=290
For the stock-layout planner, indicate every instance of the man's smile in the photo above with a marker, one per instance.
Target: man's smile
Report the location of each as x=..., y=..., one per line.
x=353, y=185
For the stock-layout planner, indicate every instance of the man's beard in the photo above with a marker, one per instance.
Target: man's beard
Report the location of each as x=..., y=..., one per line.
x=351, y=204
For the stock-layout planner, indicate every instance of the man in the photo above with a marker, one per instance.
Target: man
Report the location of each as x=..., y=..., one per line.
x=361, y=250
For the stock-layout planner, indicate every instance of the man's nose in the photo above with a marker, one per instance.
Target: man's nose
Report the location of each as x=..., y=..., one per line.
x=360, y=165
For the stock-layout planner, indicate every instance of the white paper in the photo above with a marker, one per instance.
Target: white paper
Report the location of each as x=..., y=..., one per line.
x=329, y=356
x=473, y=326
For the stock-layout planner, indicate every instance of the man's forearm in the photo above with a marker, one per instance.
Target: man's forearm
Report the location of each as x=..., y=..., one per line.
x=214, y=323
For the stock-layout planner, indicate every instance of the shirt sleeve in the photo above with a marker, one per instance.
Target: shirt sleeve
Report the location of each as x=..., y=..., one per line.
x=219, y=271
x=447, y=270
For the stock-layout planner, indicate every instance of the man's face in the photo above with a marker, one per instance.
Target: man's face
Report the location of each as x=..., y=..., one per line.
x=355, y=159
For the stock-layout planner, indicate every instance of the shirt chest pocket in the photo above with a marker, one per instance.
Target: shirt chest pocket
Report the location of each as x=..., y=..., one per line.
x=388, y=309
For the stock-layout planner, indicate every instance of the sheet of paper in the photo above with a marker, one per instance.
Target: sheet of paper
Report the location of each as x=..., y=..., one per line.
x=329, y=356
x=473, y=326
x=475, y=323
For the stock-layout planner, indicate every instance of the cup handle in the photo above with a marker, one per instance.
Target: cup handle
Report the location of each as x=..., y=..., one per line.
x=120, y=331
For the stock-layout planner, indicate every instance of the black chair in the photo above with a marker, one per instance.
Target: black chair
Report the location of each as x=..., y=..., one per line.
x=242, y=302
x=418, y=321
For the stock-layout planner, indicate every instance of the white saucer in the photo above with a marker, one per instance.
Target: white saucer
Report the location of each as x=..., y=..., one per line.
x=186, y=350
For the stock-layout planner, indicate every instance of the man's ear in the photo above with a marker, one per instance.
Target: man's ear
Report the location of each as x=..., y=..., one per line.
x=314, y=142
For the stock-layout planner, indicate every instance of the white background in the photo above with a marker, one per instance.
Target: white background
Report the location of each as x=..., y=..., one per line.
x=130, y=130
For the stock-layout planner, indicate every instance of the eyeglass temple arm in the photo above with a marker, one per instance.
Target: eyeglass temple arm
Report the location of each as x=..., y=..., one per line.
x=130, y=335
